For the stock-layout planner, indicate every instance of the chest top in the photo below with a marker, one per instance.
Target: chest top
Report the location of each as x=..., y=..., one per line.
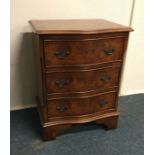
x=76, y=26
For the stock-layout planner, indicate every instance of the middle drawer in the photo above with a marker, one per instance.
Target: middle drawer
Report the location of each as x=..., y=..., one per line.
x=82, y=80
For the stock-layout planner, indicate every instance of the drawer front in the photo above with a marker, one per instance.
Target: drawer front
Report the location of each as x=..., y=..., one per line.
x=83, y=52
x=81, y=106
x=78, y=81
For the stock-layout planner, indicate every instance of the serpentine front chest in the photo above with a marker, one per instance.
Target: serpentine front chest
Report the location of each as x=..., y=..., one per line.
x=79, y=69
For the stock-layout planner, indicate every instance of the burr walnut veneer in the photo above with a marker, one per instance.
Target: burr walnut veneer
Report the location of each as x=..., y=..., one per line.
x=79, y=66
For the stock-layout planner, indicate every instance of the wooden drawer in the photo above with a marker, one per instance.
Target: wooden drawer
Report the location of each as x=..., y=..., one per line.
x=82, y=80
x=81, y=106
x=84, y=52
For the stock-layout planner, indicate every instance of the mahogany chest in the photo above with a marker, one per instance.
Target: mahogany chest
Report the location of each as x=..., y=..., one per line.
x=79, y=66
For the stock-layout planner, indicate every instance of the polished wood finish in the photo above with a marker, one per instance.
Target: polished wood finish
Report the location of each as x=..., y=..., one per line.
x=110, y=122
x=79, y=66
x=78, y=26
x=83, y=52
x=50, y=132
x=78, y=106
x=82, y=80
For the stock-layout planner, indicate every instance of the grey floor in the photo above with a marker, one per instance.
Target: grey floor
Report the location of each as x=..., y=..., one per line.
x=87, y=139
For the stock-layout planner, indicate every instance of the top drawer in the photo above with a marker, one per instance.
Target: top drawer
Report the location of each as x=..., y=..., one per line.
x=83, y=52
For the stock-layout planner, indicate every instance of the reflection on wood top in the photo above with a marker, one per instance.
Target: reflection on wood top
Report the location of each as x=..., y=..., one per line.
x=76, y=26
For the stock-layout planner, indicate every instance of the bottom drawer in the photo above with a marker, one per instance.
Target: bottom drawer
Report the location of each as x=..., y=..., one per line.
x=84, y=105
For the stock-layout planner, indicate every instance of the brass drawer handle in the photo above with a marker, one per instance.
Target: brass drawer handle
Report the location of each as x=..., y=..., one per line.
x=62, y=82
x=106, y=78
x=109, y=51
x=61, y=54
x=62, y=108
x=103, y=102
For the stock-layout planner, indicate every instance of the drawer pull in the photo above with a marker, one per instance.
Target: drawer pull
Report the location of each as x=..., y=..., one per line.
x=103, y=102
x=106, y=78
x=62, y=82
x=62, y=108
x=61, y=54
x=109, y=51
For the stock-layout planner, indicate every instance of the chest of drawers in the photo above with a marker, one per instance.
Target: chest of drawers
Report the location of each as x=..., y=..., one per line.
x=79, y=69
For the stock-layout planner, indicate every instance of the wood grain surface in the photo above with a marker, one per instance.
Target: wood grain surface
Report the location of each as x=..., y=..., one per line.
x=78, y=26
